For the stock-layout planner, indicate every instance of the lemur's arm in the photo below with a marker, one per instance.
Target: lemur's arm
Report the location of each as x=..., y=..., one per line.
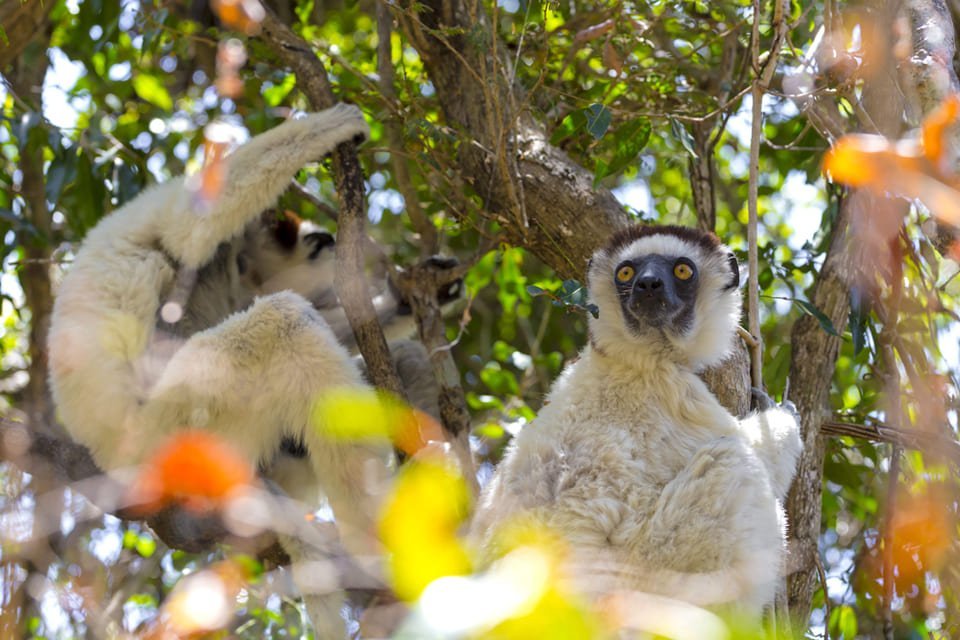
x=256, y=174
x=774, y=432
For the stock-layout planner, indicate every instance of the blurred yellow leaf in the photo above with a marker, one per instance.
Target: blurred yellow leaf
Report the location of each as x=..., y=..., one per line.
x=357, y=414
x=419, y=525
x=363, y=414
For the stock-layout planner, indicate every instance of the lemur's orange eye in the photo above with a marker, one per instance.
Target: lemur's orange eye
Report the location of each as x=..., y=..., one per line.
x=625, y=273
x=682, y=271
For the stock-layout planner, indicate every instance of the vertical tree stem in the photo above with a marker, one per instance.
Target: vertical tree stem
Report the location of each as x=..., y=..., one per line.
x=762, y=77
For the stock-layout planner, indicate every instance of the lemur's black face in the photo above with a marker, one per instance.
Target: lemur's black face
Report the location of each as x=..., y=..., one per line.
x=657, y=291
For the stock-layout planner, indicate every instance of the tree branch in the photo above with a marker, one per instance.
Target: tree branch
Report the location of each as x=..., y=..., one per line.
x=350, y=281
x=504, y=154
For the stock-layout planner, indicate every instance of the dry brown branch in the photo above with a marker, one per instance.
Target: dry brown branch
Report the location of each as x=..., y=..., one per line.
x=813, y=352
x=936, y=443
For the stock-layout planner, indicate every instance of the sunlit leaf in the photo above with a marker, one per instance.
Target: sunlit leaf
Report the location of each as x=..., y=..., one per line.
x=149, y=88
x=683, y=136
x=575, y=121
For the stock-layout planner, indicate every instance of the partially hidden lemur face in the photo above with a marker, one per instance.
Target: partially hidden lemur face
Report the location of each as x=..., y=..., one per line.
x=285, y=252
x=665, y=291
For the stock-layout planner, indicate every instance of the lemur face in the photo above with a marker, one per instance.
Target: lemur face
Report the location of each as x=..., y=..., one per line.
x=284, y=252
x=659, y=291
x=670, y=290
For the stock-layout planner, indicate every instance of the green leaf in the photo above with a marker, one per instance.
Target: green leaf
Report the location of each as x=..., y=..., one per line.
x=858, y=320
x=598, y=120
x=62, y=170
x=574, y=121
x=150, y=88
x=680, y=133
x=146, y=545
x=275, y=94
x=629, y=141
x=825, y=322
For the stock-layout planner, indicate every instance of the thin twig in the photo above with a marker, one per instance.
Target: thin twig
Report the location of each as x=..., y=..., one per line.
x=762, y=77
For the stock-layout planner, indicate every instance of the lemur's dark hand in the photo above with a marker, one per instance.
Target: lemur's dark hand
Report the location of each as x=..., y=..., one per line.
x=760, y=401
x=452, y=290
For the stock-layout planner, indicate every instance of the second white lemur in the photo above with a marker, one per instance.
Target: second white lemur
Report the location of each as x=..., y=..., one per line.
x=632, y=460
x=245, y=351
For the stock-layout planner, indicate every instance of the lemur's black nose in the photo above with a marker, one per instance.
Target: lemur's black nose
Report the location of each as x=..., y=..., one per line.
x=319, y=240
x=649, y=285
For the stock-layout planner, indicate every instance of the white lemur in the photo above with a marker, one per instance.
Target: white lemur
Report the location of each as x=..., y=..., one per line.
x=253, y=342
x=651, y=482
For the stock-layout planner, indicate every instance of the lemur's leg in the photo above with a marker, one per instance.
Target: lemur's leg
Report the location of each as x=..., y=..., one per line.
x=256, y=174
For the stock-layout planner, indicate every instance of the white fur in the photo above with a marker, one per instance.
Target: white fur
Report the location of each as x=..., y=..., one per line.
x=122, y=387
x=636, y=464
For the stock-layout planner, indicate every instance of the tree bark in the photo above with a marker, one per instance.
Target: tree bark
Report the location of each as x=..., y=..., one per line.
x=21, y=21
x=814, y=352
x=542, y=199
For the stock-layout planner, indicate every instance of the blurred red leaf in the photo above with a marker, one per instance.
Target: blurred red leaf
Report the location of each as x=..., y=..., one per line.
x=593, y=32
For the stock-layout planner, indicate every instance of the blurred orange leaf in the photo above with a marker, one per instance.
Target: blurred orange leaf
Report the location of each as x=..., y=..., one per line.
x=901, y=168
x=923, y=530
x=201, y=602
x=935, y=129
x=213, y=174
x=415, y=431
x=195, y=468
x=242, y=15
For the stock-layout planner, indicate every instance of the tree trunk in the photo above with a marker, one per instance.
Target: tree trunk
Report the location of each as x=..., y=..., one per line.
x=36, y=239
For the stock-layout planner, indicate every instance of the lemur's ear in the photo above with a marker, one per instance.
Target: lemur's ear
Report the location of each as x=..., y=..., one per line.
x=284, y=226
x=734, y=271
